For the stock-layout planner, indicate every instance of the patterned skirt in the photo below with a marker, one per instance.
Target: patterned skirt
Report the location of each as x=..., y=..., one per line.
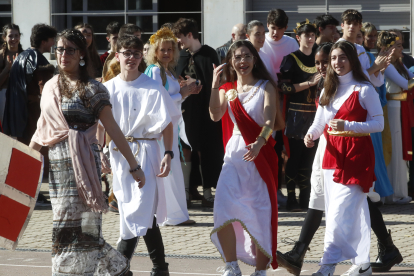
x=78, y=246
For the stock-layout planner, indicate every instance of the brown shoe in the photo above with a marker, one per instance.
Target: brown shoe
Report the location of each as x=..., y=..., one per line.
x=208, y=202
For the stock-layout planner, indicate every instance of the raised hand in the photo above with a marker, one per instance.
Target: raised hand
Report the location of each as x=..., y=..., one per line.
x=216, y=74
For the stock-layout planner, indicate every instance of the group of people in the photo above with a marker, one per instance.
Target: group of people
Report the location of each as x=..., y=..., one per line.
x=335, y=96
x=173, y=114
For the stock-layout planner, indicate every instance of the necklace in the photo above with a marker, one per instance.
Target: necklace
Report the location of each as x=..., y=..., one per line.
x=254, y=93
x=247, y=85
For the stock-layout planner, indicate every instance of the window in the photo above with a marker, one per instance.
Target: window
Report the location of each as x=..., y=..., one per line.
x=5, y=12
x=149, y=15
x=381, y=13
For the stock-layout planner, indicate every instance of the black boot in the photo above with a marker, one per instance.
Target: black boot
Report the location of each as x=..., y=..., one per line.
x=388, y=255
x=127, y=247
x=293, y=260
x=292, y=204
x=160, y=271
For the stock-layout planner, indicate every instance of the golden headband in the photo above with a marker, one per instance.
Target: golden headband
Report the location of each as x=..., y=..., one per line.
x=163, y=33
x=393, y=42
x=298, y=25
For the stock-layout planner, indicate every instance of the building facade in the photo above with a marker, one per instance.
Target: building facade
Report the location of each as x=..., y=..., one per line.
x=215, y=17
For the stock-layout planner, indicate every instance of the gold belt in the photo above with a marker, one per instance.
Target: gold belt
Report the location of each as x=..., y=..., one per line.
x=135, y=140
x=347, y=133
x=400, y=96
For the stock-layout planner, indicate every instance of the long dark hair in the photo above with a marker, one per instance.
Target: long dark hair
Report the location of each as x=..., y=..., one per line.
x=5, y=47
x=332, y=80
x=259, y=69
x=93, y=52
x=77, y=38
x=326, y=49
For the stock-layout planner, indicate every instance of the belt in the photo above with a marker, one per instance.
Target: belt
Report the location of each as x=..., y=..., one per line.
x=400, y=96
x=135, y=140
x=347, y=133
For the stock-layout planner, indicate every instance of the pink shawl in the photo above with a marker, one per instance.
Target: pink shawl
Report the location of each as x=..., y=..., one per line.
x=52, y=128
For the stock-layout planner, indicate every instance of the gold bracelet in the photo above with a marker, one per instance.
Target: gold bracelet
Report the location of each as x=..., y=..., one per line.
x=265, y=133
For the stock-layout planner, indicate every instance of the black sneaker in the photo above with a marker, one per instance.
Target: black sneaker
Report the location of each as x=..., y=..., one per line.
x=113, y=206
x=292, y=205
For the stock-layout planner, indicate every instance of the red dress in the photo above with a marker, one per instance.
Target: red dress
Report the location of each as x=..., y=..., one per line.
x=352, y=158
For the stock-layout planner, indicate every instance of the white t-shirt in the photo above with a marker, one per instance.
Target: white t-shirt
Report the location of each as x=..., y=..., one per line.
x=277, y=50
x=267, y=62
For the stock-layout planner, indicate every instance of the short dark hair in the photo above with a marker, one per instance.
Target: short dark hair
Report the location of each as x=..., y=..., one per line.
x=129, y=29
x=305, y=28
x=351, y=16
x=185, y=26
x=278, y=18
x=41, y=32
x=113, y=28
x=129, y=42
x=323, y=20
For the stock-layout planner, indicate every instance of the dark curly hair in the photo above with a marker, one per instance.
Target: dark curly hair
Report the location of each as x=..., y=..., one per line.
x=185, y=26
x=77, y=38
x=41, y=32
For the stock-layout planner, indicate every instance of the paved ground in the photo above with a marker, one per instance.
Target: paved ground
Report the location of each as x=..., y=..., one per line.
x=195, y=241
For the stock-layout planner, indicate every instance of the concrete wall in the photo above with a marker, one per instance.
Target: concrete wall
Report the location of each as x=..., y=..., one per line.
x=219, y=18
x=28, y=13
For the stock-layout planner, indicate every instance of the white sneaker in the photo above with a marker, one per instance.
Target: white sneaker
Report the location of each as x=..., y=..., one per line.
x=325, y=270
x=229, y=270
x=259, y=273
x=359, y=270
x=403, y=200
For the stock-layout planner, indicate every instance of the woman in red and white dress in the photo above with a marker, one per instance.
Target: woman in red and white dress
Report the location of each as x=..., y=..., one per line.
x=349, y=110
x=245, y=207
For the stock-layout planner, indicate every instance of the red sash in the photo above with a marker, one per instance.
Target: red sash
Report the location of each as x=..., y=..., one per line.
x=407, y=122
x=352, y=158
x=266, y=161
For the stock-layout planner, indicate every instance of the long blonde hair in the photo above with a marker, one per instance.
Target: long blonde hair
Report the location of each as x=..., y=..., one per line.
x=156, y=43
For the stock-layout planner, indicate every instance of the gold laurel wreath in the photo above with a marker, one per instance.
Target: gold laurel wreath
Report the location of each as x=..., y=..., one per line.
x=298, y=25
x=163, y=33
x=393, y=42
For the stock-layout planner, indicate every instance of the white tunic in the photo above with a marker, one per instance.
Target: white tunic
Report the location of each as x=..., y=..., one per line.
x=397, y=168
x=348, y=233
x=242, y=197
x=174, y=183
x=142, y=108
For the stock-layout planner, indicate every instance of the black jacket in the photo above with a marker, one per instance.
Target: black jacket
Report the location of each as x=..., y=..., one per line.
x=21, y=75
